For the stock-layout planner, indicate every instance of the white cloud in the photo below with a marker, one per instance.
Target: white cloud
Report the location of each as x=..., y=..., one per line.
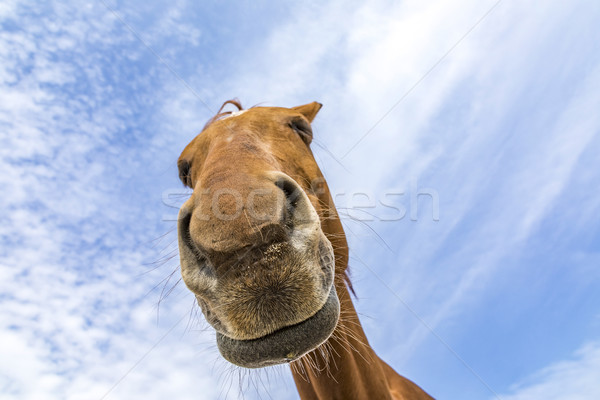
x=574, y=379
x=514, y=217
x=76, y=314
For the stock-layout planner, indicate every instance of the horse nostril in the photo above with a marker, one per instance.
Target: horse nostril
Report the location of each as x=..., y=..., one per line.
x=191, y=247
x=183, y=226
x=292, y=193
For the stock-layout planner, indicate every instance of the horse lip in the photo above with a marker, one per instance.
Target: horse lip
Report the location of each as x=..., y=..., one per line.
x=286, y=344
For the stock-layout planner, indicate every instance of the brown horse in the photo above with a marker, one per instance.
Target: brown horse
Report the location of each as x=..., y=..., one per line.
x=263, y=250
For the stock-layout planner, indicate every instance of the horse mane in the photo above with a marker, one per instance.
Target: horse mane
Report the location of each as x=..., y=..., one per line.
x=220, y=114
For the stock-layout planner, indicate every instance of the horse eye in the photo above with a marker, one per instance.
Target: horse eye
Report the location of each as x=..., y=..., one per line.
x=184, y=172
x=302, y=128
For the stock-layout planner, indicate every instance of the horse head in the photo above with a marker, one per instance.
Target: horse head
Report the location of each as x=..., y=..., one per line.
x=258, y=234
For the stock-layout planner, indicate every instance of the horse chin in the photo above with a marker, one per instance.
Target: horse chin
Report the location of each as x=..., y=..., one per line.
x=286, y=344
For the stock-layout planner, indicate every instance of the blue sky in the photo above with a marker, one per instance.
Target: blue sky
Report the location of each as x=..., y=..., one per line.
x=498, y=298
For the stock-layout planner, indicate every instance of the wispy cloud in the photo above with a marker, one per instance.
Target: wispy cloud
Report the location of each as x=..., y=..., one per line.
x=75, y=233
x=575, y=378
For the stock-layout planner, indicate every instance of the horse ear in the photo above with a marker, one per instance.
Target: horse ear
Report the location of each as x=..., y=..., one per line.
x=309, y=110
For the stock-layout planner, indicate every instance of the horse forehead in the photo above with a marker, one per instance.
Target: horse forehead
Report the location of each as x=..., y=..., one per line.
x=258, y=114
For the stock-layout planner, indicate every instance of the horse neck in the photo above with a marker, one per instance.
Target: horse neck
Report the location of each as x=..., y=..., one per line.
x=346, y=367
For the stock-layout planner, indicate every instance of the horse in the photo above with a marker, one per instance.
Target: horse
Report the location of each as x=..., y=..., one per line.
x=263, y=250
